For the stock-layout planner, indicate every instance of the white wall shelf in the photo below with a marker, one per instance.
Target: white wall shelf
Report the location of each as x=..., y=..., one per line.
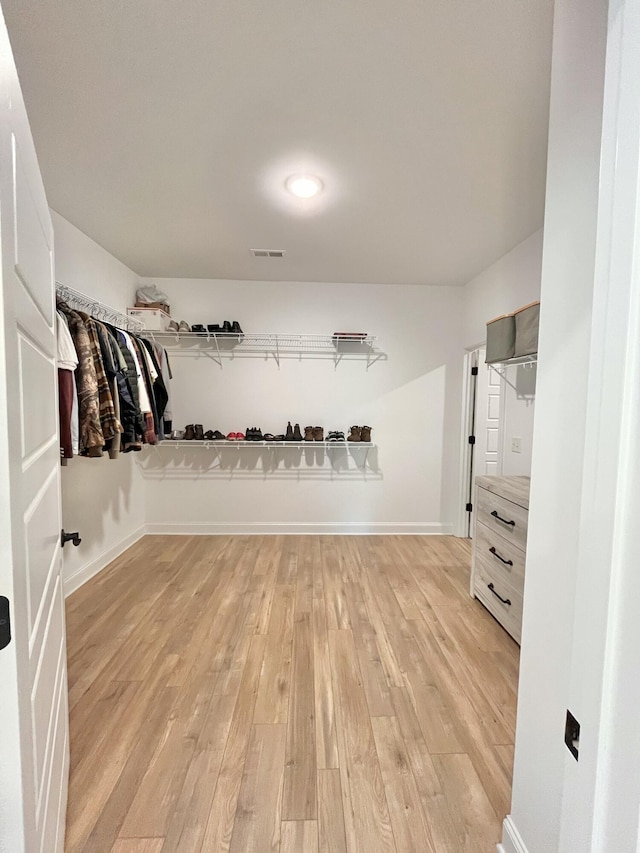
x=221, y=345
x=521, y=359
x=299, y=460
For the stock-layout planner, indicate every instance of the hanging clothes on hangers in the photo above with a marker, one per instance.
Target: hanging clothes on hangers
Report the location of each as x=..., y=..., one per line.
x=113, y=384
x=165, y=370
x=109, y=423
x=67, y=394
x=160, y=393
x=91, y=437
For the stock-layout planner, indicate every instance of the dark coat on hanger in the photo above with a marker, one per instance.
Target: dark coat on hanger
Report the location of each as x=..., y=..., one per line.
x=91, y=437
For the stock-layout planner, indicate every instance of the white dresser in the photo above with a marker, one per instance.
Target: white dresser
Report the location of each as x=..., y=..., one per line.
x=499, y=546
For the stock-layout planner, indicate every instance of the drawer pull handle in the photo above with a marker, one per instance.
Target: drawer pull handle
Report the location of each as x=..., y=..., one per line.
x=502, y=559
x=503, y=520
x=497, y=595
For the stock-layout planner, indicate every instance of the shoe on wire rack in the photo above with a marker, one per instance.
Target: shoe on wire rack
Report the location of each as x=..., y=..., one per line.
x=335, y=435
x=289, y=433
x=365, y=434
x=189, y=433
x=356, y=434
x=183, y=327
x=297, y=435
x=173, y=326
x=318, y=433
x=198, y=432
x=308, y=433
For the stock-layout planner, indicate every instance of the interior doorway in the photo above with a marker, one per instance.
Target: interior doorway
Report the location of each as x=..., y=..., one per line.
x=482, y=433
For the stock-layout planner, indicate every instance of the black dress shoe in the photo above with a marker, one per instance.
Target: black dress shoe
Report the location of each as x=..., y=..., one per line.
x=236, y=330
x=226, y=327
x=297, y=435
x=289, y=433
x=217, y=435
x=214, y=328
x=199, y=329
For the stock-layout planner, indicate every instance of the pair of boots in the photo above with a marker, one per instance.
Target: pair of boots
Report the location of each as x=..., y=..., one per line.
x=194, y=432
x=360, y=433
x=313, y=433
x=293, y=433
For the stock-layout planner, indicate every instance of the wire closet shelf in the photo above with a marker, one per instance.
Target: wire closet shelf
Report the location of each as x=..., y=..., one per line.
x=80, y=301
x=277, y=344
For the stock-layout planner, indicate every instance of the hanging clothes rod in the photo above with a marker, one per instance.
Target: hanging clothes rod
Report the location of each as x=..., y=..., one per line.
x=97, y=309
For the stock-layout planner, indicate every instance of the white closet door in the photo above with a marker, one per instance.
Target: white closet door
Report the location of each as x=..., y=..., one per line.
x=487, y=424
x=33, y=707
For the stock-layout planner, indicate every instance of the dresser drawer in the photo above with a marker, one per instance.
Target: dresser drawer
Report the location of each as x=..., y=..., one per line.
x=505, y=559
x=502, y=516
x=500, y=599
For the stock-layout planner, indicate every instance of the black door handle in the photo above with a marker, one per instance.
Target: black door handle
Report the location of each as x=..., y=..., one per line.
x=70, y=537
x=502, y=559
x=497, y=595
x=503, y=520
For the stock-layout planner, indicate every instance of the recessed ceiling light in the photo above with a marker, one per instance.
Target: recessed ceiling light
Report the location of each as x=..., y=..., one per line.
x=304, y=186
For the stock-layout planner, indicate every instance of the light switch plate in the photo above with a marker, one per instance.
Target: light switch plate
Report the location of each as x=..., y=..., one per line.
x=516, y=445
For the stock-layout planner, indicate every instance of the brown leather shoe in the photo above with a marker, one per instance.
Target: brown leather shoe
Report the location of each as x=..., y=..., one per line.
x=308, y=433
x=356, y=434
x=318, y=434
x=198, y=432
x=189, y=433
x=365, y=433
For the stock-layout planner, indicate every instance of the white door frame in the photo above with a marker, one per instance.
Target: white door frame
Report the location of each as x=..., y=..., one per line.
x=467, y=414
x=461, y=524
x=601, y=802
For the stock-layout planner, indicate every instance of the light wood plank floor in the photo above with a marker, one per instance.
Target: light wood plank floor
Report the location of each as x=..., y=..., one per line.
x=296, y=694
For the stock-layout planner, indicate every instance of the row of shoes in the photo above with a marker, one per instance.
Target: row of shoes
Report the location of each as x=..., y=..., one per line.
x=195, y=432
x=226, y=328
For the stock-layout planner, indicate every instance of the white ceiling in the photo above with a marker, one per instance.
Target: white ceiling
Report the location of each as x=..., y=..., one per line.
x=166, y=128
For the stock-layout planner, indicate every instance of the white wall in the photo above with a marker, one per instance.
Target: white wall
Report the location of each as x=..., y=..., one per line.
x=518, y=409
x=509, y=283
x=541, y=759
x=411, y=398
x=102, y=498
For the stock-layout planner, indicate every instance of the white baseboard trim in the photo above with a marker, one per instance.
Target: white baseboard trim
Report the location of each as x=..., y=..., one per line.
x=337, y=528
x=76, y=580
x=511, y=839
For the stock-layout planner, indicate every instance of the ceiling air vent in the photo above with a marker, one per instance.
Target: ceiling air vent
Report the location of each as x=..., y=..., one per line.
x=267, y=253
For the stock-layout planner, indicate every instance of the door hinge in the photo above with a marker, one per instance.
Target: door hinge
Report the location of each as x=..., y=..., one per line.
x=474, y=371
x=469, y=508
x=472, y=439
x=5, y=622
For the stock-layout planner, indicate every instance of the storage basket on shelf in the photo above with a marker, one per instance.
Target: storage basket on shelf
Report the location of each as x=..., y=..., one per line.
x=501, y=338
x=527, y=320
x=153, y=319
